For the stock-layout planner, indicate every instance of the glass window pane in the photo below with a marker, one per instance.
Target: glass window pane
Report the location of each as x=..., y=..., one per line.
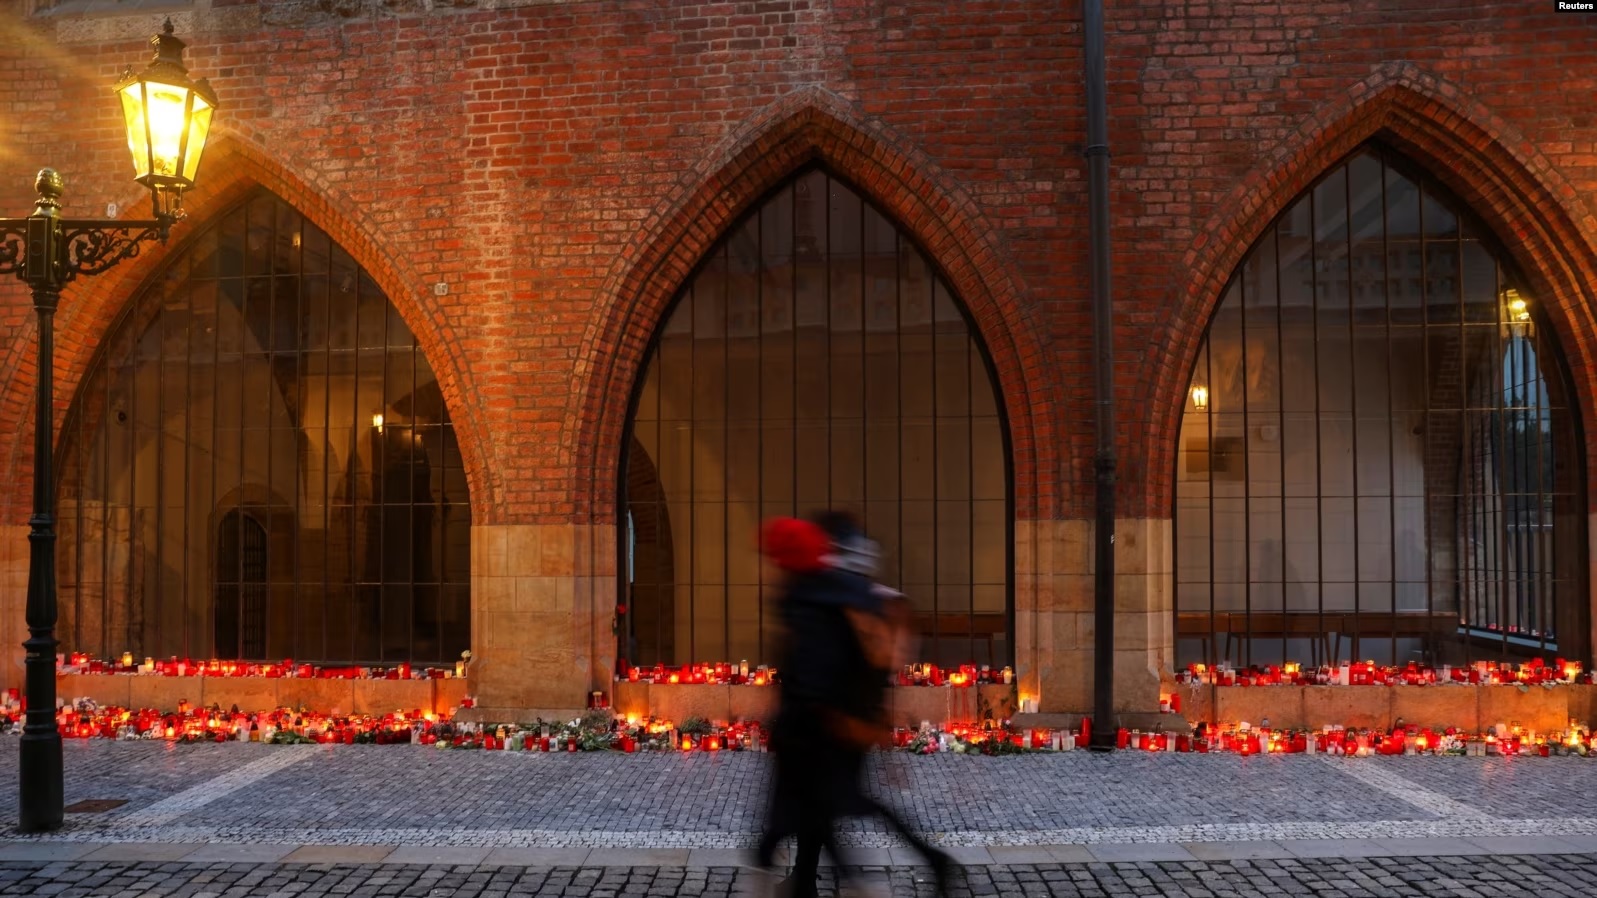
x=249, y=476
x=864, y=390
x=1410, y=473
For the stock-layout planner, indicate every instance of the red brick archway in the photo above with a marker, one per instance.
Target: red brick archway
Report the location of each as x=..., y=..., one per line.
x=234, y=166
x=927, y=204
x=1535, y=213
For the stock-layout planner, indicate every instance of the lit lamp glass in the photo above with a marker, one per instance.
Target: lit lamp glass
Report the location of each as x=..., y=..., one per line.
x=168, y=118
x=377, y=421
x=1518, y=309
x=1200, y=398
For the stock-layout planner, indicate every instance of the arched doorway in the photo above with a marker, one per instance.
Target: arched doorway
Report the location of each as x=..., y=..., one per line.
x=241, y=584
x=259, y=464
x=1378, y=458
x=817, y=359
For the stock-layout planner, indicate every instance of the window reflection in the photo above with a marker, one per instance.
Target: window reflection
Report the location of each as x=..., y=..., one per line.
x=1376, y=472
x=260, y=465
x=814, y=360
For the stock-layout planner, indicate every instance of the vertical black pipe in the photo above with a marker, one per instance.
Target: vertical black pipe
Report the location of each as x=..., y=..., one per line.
x=1097, y=153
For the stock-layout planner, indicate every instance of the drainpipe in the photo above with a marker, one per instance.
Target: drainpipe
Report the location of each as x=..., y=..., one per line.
x=1097, y=153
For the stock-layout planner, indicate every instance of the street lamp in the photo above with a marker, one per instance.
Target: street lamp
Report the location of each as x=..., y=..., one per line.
x=168, y=117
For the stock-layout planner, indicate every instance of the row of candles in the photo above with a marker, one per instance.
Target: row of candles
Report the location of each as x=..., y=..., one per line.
x=84, y=719
x=1402, y=739
x=1368, y=673
x=726, y=673
x=82, y=663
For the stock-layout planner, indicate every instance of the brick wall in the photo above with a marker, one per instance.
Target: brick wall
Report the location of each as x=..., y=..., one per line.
x=561, y=166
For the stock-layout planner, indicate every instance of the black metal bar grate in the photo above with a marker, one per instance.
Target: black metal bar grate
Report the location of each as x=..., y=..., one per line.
x=815, y=359
x=1377, y=458
x=259, y=465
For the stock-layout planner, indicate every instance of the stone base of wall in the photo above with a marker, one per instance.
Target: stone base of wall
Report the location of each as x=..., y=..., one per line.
x=1470, y=708
x=254, y=694
x=1056, y=618
x=908, y=706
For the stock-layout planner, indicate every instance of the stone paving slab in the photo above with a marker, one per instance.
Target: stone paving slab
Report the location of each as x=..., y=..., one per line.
x=438, y=854
x=141, y=851
x=47, y=851
x=1134, y=852
x=538, y=857
x=1512, y=845
x=338, y=854
x=238, y=854
x=639, y=857
x=1238, y=851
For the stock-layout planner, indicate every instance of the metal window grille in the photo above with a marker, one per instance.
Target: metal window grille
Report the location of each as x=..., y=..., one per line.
x=1377, y=458
x=815, y=359
x=259, y=464
x=241, y=566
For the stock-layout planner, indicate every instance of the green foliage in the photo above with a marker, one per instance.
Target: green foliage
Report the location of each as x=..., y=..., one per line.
x=694, y=726
x=596, y=720
x=1001, y=744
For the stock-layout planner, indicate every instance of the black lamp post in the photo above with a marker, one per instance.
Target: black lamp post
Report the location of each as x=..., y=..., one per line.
x=168, y=117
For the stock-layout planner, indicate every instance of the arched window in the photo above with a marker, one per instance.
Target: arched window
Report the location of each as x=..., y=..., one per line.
x=1377, y=459
x=814, y=360
x=259, y=465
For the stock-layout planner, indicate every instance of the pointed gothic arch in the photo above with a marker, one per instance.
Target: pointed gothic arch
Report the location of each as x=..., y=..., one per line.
x=810, y=125
x=1380, y=452
x=815, y=359
x=236, y=164
x=262, y=377
x=1481, y=158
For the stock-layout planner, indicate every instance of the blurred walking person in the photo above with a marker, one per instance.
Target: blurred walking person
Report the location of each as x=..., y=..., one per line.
x=844, y=633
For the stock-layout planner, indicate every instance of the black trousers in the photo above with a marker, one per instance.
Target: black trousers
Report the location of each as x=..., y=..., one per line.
x=815, y=785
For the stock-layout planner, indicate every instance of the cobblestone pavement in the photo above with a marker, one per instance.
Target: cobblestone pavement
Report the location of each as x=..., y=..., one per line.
x=406, y=795
x=1486, y=877
x=228, y=821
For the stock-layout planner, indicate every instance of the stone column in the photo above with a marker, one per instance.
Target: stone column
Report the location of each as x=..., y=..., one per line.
x=543, y=596
x=1062, y=618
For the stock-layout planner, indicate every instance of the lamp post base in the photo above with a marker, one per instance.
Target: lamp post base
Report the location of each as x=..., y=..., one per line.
x=41, y=777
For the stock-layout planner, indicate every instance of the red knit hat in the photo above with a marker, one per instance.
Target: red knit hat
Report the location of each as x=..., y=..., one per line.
x=794, y=545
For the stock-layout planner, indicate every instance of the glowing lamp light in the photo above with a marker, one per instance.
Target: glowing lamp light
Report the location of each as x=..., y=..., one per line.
x=377, y=422
x=1200, y=398
x=1518, y=309
x=168, y=117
